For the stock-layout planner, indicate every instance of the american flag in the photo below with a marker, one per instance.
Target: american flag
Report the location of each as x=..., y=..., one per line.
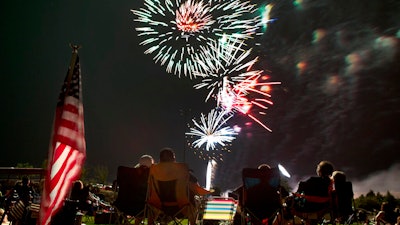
x=67, y=151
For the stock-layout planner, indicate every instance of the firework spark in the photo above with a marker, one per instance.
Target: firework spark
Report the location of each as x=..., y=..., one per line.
x=248, y=94
x=192, y=17
x=176, y=32
x=210, y=133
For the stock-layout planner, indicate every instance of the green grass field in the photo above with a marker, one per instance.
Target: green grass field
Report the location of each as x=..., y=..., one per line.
x=90, y=220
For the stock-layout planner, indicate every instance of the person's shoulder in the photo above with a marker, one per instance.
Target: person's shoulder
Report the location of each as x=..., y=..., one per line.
x=380, y=214
x=182, y=165
x=142, y=167
x=310, y=181
x=314, y=178
x=318, y=180
x=142, y=170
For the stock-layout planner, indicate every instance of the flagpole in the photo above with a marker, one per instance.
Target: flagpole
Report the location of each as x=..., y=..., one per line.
x=72, y=63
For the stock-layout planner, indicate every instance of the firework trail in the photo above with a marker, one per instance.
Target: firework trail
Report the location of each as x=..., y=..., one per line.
x=249, y=97
x=210, y=174
x=176, y=32
x=210, y=135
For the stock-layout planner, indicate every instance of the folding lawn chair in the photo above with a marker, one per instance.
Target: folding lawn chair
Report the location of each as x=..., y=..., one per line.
x=131, y=198
x=312, y=202
x=261, y=200
x=168, y=194
x=343, y=199
x=219, y=209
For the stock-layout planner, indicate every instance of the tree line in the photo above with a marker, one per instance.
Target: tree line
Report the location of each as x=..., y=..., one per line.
x=372, y=201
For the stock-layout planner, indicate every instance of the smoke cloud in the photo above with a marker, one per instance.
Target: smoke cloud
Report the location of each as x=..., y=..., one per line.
x=380, y=181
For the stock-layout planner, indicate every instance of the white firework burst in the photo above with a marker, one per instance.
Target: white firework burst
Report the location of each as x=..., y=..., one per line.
x=225, y=65
x=212, y=132
x=176, y=32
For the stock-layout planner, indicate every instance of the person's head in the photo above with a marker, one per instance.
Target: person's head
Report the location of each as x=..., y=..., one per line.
x=339, y=176
x=77, y=185
x=385, y=206
x=325, y=169
x=145, y=160
x=25, y=180
x=264, y=166
x=167, y=155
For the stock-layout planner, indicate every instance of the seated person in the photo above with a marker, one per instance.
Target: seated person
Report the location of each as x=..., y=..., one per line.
x=77, y=201
x=320, y=186
x=386, y=215
x=22, y=194
x=80, y=195
x=132, y=188
x=3, y=216
x=343, y=196
x=172, y=187
x=238, y=192
x=259, y=196
x=167, y=155
x=24, y=190
x=145, y=162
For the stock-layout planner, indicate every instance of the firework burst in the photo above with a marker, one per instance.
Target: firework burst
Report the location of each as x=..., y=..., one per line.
x=230, y=79
x=226, y=65
x=176, y=32
x=211, y=134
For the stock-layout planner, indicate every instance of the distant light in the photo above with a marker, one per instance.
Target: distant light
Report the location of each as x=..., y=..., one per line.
x=283, y=171
x=265, y=88
x=301, y=67
x=237, y=128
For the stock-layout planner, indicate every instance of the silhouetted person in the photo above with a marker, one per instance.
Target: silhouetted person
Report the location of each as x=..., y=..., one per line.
x=319, y=187
x=385, y=215
x=343, y=196
x=24, y=190
x=145, y=160
x=77, y=201
x=168, y=155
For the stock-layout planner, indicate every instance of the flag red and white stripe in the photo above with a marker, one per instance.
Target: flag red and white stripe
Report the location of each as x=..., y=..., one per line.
x=67, y=151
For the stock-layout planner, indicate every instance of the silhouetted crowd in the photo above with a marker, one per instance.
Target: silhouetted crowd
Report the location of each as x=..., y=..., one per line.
x=262, y=198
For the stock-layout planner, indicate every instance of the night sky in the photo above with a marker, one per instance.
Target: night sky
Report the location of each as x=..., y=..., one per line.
x=338, y=61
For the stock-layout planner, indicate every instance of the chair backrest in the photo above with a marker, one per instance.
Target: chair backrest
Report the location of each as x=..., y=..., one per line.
x=261, y=191
x=132, y=189
x=220, y=208
x=168, y=185
x=344, y=198
x=313, y=195
x=315, y=186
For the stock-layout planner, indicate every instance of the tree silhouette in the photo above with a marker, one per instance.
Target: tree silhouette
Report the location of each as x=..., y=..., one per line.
x=100, y=173
x=372, y=201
